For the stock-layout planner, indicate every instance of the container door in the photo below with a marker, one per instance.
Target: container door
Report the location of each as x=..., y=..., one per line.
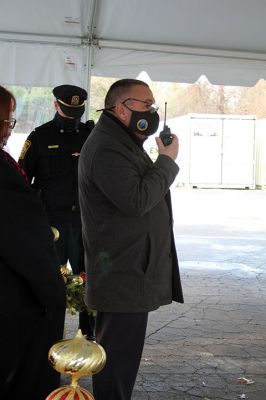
x=205, y=151
x=238, y=157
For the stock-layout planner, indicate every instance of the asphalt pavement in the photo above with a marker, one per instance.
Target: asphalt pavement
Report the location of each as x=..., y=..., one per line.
x=212, y=347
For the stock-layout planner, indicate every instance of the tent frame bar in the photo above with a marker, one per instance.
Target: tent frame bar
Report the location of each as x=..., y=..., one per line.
x=127, y=45
x=41, y=39
x=164, y=48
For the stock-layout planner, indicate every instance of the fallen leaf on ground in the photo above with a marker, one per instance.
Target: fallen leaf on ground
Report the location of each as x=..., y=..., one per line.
x=245, y=381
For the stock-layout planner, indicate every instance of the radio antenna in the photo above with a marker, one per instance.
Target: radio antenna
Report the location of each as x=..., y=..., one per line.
x=165, y=107
x=165, y=134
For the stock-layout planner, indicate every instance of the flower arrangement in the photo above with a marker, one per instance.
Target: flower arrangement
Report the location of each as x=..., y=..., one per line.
x=75, y=291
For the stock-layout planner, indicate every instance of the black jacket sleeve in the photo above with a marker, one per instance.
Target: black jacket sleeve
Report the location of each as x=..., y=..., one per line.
x=26, y=245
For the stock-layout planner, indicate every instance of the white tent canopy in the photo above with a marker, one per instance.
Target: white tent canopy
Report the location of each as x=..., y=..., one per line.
x=47, y=43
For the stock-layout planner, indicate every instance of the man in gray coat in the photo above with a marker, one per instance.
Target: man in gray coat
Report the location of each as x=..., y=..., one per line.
x=130, y=255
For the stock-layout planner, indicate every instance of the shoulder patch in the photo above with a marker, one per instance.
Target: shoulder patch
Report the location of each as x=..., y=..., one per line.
x=24, y=150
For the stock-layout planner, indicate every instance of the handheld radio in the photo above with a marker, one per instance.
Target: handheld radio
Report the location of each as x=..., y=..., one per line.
x=165, y=134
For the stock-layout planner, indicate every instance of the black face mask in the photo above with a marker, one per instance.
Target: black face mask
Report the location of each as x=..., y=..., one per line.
x=66, y=124
x=144, y=122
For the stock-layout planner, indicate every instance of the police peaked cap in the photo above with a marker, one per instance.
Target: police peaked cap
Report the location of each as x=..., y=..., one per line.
x=71, y=100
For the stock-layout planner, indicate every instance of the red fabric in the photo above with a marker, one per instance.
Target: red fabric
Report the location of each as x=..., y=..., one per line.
x=78, y=392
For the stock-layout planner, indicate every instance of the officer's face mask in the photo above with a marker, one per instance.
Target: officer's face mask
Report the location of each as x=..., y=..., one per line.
x=144, y=122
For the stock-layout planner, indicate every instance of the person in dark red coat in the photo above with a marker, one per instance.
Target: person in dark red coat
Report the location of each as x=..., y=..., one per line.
x=32, y=294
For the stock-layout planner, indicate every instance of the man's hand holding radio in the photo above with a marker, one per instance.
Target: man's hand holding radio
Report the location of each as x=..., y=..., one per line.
x=171, y=150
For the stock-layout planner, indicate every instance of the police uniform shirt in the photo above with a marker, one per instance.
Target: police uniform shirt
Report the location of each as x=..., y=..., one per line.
x=50, y=158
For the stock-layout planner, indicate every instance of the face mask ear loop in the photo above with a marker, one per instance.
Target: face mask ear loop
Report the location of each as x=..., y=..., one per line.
x=106, y=109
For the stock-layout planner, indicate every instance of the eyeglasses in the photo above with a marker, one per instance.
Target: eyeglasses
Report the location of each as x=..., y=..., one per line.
x=149, y=106
x=11, y=122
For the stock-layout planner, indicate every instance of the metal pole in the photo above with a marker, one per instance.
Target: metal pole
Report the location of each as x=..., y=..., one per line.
x=88, y=78
x=89, y=45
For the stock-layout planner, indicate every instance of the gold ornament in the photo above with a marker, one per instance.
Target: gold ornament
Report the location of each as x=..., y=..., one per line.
x=56, y=233
x=77, y=357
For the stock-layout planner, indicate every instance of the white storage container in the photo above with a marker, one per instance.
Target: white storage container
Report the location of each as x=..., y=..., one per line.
x=215, y=150
x=222, y=151
x=261, y=154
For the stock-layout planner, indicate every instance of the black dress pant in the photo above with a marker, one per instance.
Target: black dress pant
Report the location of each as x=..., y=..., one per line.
x=122, y=336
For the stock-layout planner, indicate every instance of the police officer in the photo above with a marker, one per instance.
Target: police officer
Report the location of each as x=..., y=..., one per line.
x=50, y=158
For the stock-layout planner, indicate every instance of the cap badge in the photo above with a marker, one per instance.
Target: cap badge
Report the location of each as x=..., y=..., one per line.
x=75, y=100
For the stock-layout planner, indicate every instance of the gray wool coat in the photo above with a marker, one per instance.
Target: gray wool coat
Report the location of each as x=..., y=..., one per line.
x=126, y=213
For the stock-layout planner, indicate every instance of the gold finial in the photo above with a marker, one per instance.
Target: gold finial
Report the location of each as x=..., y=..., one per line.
x=56, y=233
x=77, y=357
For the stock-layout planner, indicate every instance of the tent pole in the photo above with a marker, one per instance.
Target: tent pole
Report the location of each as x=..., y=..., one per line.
x=88, y=78
x=89, y=45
